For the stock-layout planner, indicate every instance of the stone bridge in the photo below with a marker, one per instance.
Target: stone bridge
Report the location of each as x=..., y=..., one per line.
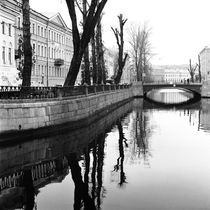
x=195, y=88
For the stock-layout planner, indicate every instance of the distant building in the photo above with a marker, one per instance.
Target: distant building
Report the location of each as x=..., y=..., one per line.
x=176, y=73
x=51, y=42
x=155, y=75
x=205, y=63
x=169, y=73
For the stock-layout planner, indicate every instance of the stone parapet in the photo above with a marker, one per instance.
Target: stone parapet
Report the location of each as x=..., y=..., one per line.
x=33, y=114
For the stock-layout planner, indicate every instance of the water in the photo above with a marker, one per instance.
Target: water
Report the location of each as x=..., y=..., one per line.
x=137, y=157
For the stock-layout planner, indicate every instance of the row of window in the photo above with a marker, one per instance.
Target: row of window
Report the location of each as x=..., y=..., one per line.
x=51, y=53
x=52, y=35
x=41, y=70
x=42, y=31
x=6, y=55
x=6, y=28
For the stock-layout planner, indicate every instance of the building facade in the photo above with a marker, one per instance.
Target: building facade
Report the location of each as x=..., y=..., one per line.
x=176, y=74
x=205, y=63
x=51, y=42
x=170, y=74
x=8, y=71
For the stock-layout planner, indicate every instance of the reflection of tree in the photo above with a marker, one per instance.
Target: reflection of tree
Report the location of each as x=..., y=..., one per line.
x=29, y=189
x=120, y=160
x=87, y=167
x=142, y=132
x=93, y=174
x=100, y=155
x=80, y=192
x=82, y=197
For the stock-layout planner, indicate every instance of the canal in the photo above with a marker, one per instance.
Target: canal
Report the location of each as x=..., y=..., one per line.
x=139, y=156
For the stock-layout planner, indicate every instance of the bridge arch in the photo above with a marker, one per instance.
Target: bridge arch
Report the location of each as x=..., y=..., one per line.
x=194, y=88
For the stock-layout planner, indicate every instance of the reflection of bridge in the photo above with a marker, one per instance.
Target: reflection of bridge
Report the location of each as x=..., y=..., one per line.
x=192, y=87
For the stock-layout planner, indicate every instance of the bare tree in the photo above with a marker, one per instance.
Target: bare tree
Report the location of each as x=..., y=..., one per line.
x=27, y=49
x=83, y=8
x=101, y=73
x=81, y=40
x=120, y=42
x=93, y=60
x=192, y=70
x=140, y=49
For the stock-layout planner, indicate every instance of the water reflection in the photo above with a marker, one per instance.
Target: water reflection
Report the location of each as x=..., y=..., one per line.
x=170, y=96
x=120, y=160
x=137, y=157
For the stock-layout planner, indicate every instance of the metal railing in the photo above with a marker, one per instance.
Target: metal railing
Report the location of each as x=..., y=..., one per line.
x=14, y=92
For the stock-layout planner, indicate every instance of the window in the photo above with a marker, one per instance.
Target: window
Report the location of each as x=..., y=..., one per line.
x=33, y=70
x=49, y=53
x=34, y=48
x=33, y=28
x=38, y=73
x=3, y=55
x=10, y=56
x=49, y=34
x=45, y=51
x=42, y=70
x=18, y=22
x=3, y=27
x=52, y=71
x=10, y=30
x=39, y=50
x=45, y=33
x=38, y=30
x=42, y=51
x=42, y=31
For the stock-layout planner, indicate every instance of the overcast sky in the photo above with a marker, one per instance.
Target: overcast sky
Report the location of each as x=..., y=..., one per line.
x=180, y=28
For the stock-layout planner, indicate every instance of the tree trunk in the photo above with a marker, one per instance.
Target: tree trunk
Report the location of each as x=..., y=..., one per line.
x=74, y=69
x=94, y=65
x=87, y=66
x=80, y=42
x=86, y=53
x=80, y=192
x=99, y=53
x=120, y=42
x=27, y=49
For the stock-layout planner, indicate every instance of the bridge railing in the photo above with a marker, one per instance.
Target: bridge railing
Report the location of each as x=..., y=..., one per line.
x=13, y=92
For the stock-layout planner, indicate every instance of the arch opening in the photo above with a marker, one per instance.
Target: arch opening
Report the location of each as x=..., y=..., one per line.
x=172, y=96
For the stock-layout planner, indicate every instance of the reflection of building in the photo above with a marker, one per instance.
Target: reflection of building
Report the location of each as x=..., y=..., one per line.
x=204, y=116
x=51, y=41
x=205, y=63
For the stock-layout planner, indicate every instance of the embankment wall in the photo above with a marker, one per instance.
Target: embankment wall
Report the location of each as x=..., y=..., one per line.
x=32, y=114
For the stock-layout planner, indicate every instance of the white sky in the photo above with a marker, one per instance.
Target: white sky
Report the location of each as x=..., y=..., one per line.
x=180, y=28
